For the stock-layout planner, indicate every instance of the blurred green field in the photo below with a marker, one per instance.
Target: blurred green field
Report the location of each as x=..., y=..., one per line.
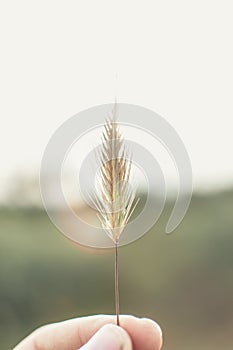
x=184, y=281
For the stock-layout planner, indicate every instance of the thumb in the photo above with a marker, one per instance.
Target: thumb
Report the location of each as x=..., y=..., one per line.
x=109, y=337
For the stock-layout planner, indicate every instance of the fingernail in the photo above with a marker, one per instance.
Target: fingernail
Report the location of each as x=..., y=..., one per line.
x=109, y=337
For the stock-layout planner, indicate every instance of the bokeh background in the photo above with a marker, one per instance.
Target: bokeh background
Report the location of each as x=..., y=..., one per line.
x=184, y=281
x=58, y=58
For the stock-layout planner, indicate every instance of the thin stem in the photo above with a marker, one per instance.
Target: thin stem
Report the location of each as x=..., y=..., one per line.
x=117, y=283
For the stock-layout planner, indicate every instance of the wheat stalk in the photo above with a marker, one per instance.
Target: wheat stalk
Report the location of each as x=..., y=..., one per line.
x=114, y=198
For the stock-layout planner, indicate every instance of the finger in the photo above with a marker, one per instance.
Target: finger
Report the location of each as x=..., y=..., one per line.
x=109, y=337
x=145, y=333
x=72, y=334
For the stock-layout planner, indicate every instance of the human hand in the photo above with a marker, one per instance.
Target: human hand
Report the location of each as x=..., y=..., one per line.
x=96, y=333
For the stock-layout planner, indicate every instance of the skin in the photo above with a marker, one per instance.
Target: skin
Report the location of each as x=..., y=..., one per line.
x=96, y=333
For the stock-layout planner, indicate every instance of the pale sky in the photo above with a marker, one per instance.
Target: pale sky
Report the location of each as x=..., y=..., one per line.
x=174, y=57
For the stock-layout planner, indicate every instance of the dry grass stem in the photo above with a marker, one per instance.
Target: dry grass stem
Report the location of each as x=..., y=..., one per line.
x=114, y=198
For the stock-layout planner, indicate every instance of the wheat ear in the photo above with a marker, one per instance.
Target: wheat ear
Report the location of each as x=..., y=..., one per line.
x=115, y=199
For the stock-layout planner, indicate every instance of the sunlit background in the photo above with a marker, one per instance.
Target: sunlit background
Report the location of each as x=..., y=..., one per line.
x=58, y=58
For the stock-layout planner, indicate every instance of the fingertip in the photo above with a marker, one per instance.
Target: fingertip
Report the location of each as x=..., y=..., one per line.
x=109, y=337
x=153, y=324
x=153, y=328
x=122, y=337
x=144, y=333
